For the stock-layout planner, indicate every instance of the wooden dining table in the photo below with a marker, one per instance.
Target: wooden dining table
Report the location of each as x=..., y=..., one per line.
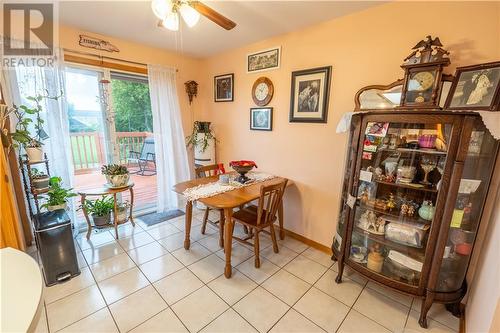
x=226, y=201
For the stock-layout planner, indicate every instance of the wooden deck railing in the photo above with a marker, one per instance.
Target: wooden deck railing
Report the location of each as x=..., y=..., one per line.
x=88, y=149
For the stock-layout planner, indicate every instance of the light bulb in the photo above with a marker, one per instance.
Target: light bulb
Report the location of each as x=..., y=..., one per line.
x=171, y=22
x=161, y=8
x=189, y=14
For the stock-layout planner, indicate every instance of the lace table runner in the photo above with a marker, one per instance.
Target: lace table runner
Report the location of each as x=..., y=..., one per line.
x=211, y=189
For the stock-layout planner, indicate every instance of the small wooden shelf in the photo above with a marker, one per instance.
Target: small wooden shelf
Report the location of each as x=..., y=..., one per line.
x=414, y=252
x=27, y=162
x=35, y=191
x=424, y=189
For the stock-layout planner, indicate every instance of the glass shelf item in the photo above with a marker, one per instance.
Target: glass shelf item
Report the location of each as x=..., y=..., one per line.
x=472, y=191
x=399, y=179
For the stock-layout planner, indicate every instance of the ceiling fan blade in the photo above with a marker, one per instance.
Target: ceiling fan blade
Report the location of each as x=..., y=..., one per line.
x=212, y=15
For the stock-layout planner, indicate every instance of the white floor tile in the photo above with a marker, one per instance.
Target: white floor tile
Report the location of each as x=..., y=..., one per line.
x=199, y=308
x=136, y=308
x=187, y=257
x=146, y=253
x=261, y=309
x=382, y=309
x=439, y=313
x=102, y=253
x=355, y=322
x=165, y=321
x=72, y=308
x=135, y=241
x=229, y=322
x=347, y=291
x=351, y=274
x=173, y=242
x=208, y=268
x=394, y=295
x=306, y=269
x=239, y=253
x=233, y=289
x=112, y=266
x=160, y=267
x=177, y=285
x=291, y=243
x=98, y=322
x=318, y=256
x=127, y=230
x=433, y=326
x=81, y=260
x=96, y=239
x=323, y=310
x=282, y=258
x=42, y=326
x=211, y=242
x=123, y=284
x=77, y=283
x=293, y=321
x=286, y=287
x=260, y=274
x=162, y=230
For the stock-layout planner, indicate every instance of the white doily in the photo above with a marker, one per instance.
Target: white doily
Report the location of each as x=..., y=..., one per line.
x=211, y=189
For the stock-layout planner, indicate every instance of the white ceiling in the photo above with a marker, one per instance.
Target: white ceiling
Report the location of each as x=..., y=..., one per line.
x=256, y=20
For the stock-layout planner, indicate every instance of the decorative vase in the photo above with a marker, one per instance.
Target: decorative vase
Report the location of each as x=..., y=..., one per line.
x=118, y=180
x=242, y=170
x=101, y=221
x=121, y=215
x=427, y=211
x=57, y=207
x=35, y=154
x=40, y=183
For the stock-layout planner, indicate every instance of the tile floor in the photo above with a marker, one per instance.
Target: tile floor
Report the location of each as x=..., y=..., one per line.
x=147, y=282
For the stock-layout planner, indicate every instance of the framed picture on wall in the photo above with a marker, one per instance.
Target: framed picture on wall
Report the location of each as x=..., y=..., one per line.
x=310, y=94
x=264, y=60
x=224, y=88
x=476, y=87
x=261, y=119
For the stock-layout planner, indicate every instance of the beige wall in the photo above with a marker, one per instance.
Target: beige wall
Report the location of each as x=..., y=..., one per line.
x=364, y=48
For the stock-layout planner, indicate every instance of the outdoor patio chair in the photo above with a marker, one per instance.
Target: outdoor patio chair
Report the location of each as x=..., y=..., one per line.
x=144, y=159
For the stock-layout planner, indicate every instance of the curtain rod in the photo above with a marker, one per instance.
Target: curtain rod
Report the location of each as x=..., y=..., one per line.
x=108, y=58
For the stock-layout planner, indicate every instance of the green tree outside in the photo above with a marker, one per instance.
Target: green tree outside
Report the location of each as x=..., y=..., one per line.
x=132, y=106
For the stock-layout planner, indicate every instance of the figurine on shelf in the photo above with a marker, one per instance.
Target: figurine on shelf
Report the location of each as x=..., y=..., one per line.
x=379, y=174
x=390, y=203
x=380, y=204
x=377, y=227
x=375, y=258
x=367, y=219
x=404, y=209
x=365, y=196
x=427, y=210
x=411, y=209
x=408, y=208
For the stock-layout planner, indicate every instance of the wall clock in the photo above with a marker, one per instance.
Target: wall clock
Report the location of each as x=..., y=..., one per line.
x=262, y=91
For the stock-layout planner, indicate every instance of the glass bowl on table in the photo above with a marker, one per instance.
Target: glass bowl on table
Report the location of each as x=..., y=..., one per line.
x=242, y=167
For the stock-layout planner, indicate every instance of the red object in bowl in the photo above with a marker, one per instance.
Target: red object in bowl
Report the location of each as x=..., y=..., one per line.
x=464, y=249
x=242, y=163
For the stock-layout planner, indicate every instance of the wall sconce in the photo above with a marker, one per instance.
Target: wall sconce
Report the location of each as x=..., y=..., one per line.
x=191, y=89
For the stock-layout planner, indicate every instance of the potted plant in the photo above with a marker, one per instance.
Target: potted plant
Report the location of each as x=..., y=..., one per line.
x=116, y=175
x=100, y=210
x=122, y=211
x=57, y=196
x=202, y=136
x=39, y=179
x=34, y=150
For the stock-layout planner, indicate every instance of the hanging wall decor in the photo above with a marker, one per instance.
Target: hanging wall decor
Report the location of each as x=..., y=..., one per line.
x=96, y=43
x=191, y=89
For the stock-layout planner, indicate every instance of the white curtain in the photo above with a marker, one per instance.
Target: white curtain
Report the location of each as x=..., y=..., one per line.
x=22, y=82
x=171, y=155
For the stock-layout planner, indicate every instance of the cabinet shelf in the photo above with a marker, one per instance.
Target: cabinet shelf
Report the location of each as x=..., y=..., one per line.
x=418, y=151
x=424, y=189
x=404, y=219
x=413, y=252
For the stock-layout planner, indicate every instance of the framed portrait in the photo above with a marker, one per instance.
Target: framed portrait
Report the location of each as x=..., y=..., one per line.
x=261, y=119
x=310, y=94
x=264, y=60
x=224, y=88
x=476, y=87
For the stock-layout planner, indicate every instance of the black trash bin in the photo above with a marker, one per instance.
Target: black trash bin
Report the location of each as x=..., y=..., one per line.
x=54, y=239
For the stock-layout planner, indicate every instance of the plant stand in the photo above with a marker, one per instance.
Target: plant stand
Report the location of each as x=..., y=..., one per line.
x=108, y=191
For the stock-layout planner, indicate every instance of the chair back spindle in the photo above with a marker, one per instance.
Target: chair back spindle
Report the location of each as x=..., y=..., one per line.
x=269, y=201
x=209, y=170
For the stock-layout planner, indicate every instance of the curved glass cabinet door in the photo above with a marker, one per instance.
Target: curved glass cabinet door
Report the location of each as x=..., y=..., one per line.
x=478, y=168
x=399, y=180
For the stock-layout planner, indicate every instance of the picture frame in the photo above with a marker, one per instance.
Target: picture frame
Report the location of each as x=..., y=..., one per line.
x=475, y=87
x=310, y=94
x=224, y=88
x=261, y=119
x=264, y=60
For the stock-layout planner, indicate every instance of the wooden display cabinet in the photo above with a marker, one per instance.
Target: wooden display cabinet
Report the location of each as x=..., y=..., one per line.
x=414, y=188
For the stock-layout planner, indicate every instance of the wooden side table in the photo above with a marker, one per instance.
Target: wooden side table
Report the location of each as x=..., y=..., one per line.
x=108, y=191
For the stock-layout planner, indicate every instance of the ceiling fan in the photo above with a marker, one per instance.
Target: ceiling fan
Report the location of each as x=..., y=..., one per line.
x=168, y=12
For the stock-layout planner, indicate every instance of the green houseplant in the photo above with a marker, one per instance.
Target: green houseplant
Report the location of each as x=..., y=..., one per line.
x=116, y=175
x=39, y=179
x=201, y=136
x=57, y=196
x=100, y=210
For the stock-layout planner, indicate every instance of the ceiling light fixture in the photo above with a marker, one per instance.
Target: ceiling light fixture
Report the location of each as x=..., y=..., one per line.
x=168, y=13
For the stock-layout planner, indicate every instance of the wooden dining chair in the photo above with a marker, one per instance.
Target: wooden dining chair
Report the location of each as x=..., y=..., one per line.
x=264, y=217
x=209, y=171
